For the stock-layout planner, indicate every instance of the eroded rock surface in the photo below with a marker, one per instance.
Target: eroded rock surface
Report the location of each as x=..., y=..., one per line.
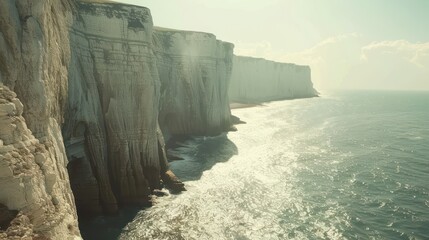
x=34, y=56
x=35, y=197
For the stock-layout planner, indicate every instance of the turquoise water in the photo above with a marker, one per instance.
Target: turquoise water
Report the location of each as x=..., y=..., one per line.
x=347, y=165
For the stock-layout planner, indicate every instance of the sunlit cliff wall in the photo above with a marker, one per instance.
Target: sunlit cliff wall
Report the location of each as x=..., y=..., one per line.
x=194, y=70
x=258, y=80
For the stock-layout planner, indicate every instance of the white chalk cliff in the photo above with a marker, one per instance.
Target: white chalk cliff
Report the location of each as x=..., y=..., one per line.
x=114, y=144
x=256, y=80
x=194, y=70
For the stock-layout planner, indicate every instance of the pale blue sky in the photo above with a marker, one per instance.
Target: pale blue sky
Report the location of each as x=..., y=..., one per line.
x=304, y=30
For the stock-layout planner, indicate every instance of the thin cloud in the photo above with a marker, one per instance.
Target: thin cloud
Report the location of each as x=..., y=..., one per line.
x=416, y=53
x=254, y=49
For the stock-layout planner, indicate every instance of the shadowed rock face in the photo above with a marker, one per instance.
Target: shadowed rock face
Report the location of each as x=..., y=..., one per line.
x=6, y=217
x=194, y=69
x=34, y=56
x=257, y=80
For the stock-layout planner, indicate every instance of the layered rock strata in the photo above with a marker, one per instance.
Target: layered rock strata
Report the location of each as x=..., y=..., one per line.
x=256, y=80
x=194, y=69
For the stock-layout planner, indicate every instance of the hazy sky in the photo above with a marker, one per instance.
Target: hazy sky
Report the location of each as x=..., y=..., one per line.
x=347, y=43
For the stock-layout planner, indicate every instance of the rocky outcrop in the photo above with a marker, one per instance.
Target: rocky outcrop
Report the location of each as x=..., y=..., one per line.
x=194, y=69
x=257, y=80
x=34, y=55
x=32, y=182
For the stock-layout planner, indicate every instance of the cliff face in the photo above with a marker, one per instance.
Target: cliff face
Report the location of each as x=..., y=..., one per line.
x=111, y=130
x=34, y=55
x=258, y=80
x=194, y=69
x=120, y=71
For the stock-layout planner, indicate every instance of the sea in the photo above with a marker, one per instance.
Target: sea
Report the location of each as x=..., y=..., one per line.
x=345, y=165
